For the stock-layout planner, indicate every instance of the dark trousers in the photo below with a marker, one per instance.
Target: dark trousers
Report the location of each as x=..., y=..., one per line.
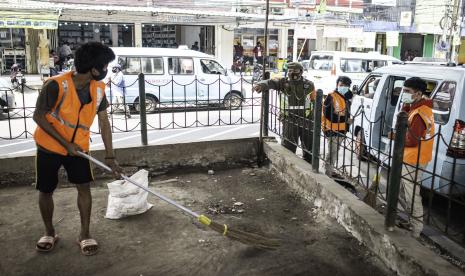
x=295, y=126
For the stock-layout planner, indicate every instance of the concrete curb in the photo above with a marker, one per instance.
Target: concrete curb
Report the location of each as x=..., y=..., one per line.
x=21, y=170
x=398, y=250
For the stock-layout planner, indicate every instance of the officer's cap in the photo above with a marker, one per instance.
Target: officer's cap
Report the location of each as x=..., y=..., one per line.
x=295, y=65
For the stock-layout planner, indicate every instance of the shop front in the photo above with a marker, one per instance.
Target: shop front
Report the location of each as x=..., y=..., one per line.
x=23, y=39
x=249, y=38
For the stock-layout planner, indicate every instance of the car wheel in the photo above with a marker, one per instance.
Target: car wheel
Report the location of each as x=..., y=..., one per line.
x=151, y=104
x=232, y=101
x=360, y=147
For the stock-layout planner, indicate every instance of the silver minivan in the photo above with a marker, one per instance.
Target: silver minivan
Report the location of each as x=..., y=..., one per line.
x=175, y=77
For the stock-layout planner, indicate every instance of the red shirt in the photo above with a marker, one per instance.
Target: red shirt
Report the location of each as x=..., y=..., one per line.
x=417, y=127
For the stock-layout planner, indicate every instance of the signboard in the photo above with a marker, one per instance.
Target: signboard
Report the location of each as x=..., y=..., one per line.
x=337, y=32
x=307, y=32
x=392, y=39
x=405, y=19
x=391, y=3
x=28, y=23
x=365, y=40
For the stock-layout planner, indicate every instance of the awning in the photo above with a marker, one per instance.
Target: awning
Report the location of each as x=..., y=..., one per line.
x=37, y=20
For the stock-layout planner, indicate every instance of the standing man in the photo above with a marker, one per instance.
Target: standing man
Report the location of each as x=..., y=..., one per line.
x=296, y=97
x=334, y=122
x=418, y=151
x=118, y=88
x=195, y=47
x=238, y=51
x=65, y=111
x=64, y=52
x=258, y=52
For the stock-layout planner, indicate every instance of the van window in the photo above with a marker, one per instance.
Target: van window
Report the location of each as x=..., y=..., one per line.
x=442, y=102
x=354, y=65
x=211, y=67
x=132, y=66
x=180, y=66
x=321, y=62
x=370, y=86
x=152, y=65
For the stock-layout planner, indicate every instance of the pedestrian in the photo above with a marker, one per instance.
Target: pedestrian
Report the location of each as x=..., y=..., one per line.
x=334, y=123
x=296, y=97
x=238, y=51
x=418, y=151
x=65, y=110
x=285, y=67
x=258, y=52
x=53, y=63
x=118, y=89
x=64, y=52
x=195, y=47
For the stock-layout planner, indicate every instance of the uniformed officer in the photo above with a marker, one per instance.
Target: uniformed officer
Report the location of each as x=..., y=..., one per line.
x=296, y=97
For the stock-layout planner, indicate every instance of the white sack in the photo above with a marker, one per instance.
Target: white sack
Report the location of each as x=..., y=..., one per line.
x=126, y=199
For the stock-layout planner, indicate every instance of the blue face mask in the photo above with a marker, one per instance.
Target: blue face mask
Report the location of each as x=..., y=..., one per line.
x=343, y=89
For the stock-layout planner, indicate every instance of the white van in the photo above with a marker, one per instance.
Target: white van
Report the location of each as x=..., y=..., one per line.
x=326, y=66
x=380, y=94
x=176, y=77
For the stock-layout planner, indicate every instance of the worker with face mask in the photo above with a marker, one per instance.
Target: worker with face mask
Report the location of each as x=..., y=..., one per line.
x=296, y=95
x=335, y=119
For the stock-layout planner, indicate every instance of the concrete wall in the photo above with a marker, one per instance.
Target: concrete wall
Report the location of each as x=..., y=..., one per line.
x=21, y=170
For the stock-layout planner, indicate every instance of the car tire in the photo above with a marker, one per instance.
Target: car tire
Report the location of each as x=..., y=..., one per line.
x=232, y=101
x=360, y=146
x=151, y=104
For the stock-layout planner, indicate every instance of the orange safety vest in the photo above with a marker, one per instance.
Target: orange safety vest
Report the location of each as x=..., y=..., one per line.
x=68, y=117
x=426, y=144
x=339, y=105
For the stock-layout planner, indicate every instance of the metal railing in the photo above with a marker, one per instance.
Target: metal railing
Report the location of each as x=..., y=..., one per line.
x=169, y=104
x=372, y=166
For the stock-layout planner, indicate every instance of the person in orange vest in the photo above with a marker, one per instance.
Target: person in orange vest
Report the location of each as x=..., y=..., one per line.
x=65, y=110
x=336, y=113
x=418, y=151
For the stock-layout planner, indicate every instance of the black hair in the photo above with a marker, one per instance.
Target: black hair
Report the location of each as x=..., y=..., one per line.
x=345, y=80
x=416, y=83
x=92, y=55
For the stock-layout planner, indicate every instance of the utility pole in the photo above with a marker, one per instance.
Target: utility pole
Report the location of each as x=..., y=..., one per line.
x=454, y=16
x=458, y=14
x=296, y=26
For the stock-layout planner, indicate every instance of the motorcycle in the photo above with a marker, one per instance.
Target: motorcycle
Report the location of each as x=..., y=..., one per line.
x=257, y=74
x=17, y=78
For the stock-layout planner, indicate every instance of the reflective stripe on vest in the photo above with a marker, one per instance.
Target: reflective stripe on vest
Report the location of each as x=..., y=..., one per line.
x=425, y=147
x=69, y=117
x=339, y=106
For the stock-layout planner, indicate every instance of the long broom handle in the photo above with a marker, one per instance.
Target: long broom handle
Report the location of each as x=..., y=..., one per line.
x=162, y=197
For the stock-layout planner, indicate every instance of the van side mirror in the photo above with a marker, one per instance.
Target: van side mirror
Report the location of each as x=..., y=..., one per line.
x=355, y=89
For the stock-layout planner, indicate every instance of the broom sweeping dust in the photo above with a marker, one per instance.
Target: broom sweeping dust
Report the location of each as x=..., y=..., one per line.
x=248, y=238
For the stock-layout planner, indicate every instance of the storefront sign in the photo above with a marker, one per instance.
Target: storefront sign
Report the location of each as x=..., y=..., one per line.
x=336, y=32
x=392, y=39
x=405, y=19
x=365, y=40
x=28, y=23
x=391, y=3
x=308, y=32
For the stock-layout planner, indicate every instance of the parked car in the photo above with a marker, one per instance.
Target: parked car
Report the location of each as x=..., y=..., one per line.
x=176, y=76
x=445, y=88
x=324, y=67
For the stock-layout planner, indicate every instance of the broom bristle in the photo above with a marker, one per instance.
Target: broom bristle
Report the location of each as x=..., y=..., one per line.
x=249, y=238
x=370, y=197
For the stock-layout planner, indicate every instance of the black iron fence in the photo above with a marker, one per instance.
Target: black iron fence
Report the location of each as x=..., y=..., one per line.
x=365, y=153
x=173, y=103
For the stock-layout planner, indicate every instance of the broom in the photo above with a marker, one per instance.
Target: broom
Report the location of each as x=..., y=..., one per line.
x=248, y=238
x=372, y=193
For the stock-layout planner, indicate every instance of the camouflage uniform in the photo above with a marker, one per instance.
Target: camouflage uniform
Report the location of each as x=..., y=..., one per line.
x=296, y=104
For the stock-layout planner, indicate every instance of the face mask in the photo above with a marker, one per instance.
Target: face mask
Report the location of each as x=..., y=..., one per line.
x=343, y=89
x=294, y=76
x=102, y=74
x=407, y=98
x=114, y=70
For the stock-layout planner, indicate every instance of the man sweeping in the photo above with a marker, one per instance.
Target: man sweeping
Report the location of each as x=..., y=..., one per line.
x=65, y=111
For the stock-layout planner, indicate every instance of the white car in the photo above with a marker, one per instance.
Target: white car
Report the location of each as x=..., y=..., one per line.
x=324, y=67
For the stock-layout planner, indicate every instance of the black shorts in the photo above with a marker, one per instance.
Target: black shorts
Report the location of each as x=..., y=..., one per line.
x=77, y=168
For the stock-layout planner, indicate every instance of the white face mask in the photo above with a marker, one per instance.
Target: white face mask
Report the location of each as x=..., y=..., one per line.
x=343, y=89
x=407, y=98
